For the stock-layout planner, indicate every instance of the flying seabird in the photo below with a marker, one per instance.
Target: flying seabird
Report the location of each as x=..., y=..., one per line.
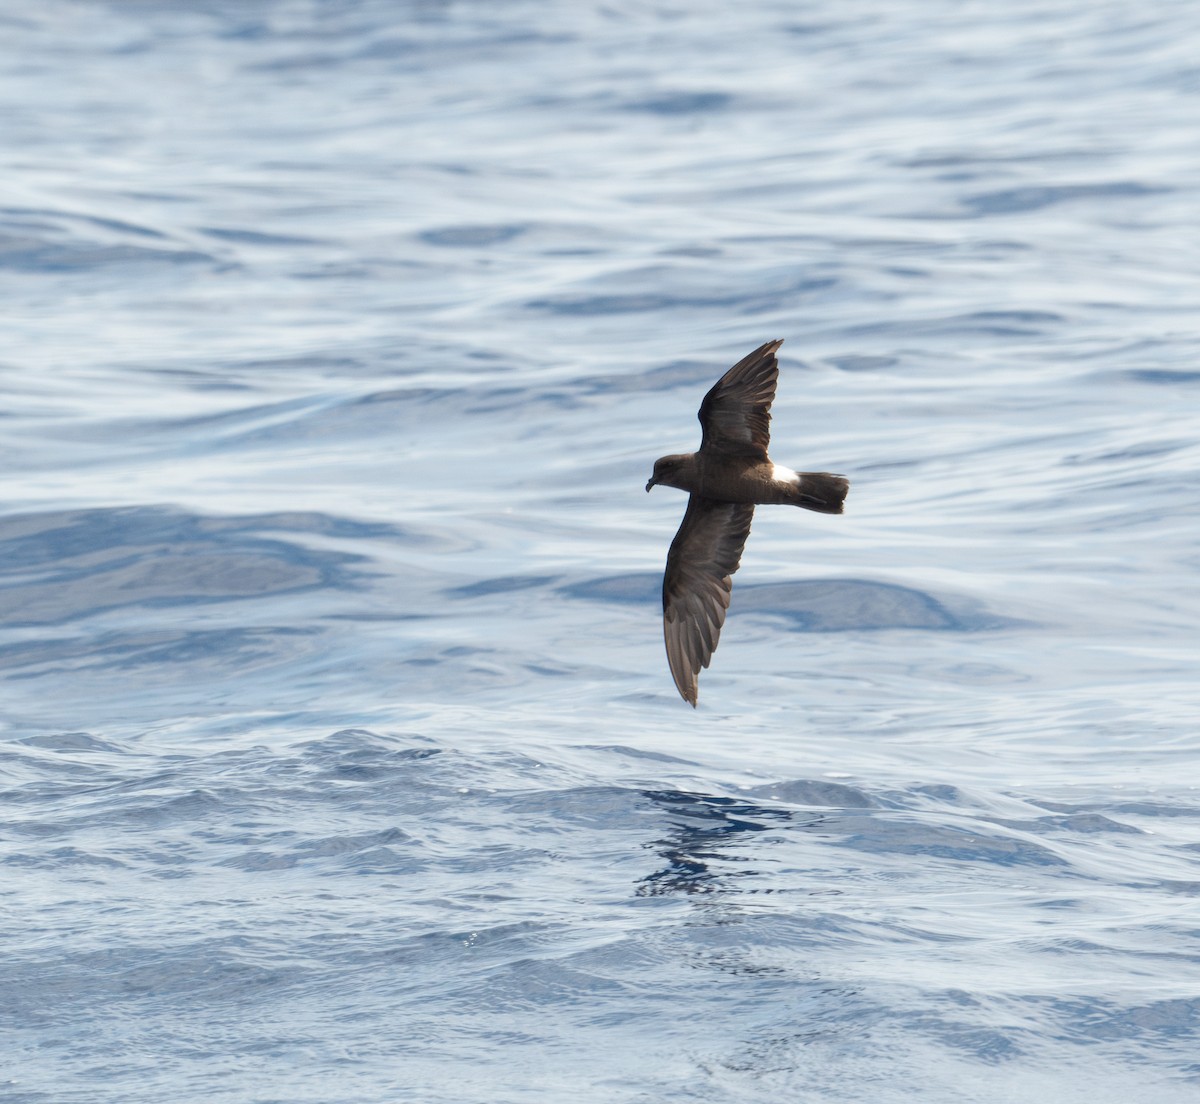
x=726, y=479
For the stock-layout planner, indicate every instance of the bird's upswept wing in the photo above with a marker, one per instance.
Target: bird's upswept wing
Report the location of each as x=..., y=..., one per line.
x=704, y=554
x=736, y=413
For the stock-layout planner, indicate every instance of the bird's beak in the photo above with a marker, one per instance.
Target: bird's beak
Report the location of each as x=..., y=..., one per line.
x=651, y=484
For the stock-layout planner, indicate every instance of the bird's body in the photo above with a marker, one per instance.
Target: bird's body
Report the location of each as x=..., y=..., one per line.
x=726, y=479
x=742, y=479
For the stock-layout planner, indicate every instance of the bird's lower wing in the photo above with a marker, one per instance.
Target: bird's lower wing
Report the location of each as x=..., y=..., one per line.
x=704, y=554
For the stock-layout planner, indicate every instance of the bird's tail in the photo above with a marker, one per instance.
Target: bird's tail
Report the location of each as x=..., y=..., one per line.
x=821, y=491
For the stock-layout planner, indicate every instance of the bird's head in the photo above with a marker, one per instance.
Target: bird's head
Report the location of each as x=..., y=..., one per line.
x=672, y=471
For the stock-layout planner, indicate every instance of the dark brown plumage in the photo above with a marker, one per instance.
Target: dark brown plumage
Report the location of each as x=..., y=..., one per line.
x=726, y=479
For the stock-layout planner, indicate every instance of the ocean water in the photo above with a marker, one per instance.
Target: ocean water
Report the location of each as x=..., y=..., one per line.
x=339, y=757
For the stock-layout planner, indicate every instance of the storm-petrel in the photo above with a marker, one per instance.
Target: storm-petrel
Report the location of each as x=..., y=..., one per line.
x=727, y=478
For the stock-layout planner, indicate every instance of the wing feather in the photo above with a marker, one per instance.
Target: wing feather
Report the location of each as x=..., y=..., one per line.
x=735, y=415
x=704, y=555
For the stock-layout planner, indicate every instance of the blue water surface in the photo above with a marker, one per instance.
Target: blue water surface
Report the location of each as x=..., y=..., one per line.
x=339, y=758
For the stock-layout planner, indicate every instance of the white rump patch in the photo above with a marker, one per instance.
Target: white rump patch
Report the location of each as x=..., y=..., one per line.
x=784, y=475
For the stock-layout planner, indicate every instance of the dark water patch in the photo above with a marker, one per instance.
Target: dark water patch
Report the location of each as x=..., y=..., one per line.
x=986, y=323
x=304, y=62
x=256, y=862
x=1161, y=376
x=635, y=303
x=989, y=1046
x=656, y=301
x=1093, y=823
x=862, y=363
x=255, y=237
x=129, y=976
x=1016, y=318
x=309, y=422
x=835, y=605
x=1033, y=198
x=198, y=379
x=701, y=251
x=942, y=793
x=384, y=851
x=667, y=377
x=638, y=753
x=61, y=858
x=159, y=578
x=32, y=774
x=178, y=806
x=971, y=844
x=956, y=159
x=411, y=53
x=361, y=755
x=419, y=405
x=819, y=793
x=157, y=655
x=233, y=805
x=117, y=804
x=637, y=588
x=505, y=584
x=336, y=365
x=1141, y=451
x=664, y=288
x=451, y=674
x=1177, y=886
x=591, y=806
x=551, y=670
x=819, y=605
x=56, y=241
x=1142, y=808
x=467, y=235
x=1088, y=824
x=680, y=103
x=81, y=536
x=208, y=431
x=991, y=323
x=809, y=29
x=30, y=255
x=61, y=566
x=47, y=218
x=1097, y=1020
x=335, y=846
x=70, y=742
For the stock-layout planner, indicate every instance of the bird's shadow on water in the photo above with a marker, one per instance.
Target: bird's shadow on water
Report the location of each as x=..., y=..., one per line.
x=704, y=827
x=701, y=826
x=716, y=841
x=717, y=847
